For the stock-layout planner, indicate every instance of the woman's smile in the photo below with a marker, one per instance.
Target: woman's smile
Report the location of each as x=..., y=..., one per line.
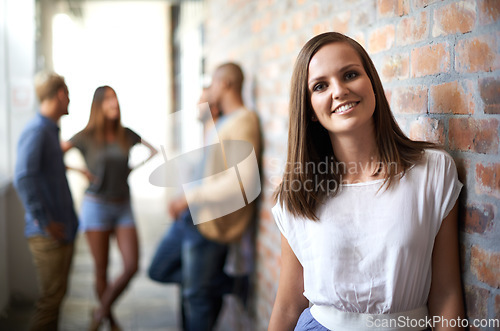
x=345, y=108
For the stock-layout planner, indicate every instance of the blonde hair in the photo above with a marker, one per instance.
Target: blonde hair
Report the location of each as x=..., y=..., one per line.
x=47, y=84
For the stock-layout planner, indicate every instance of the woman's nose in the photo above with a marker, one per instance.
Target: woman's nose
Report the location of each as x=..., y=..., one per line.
x=339, y=90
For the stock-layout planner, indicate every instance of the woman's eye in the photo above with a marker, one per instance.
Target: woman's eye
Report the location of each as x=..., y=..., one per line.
x=351, y=75
x=318, y=87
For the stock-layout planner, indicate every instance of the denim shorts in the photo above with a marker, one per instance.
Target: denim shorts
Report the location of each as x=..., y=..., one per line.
x=307, y=322
x=101, y=215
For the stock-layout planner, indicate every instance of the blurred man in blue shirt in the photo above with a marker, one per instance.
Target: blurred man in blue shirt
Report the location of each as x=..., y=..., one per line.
x=40, y=180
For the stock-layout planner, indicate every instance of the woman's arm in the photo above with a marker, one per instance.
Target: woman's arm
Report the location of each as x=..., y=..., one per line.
x=152, y=152
x=290, y=301
x=66, y=145
x=445, y=297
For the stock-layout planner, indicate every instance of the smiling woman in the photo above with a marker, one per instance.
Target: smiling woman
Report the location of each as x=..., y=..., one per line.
x=378, y=242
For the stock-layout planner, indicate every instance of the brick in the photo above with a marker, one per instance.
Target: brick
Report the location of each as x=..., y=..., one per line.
x=424, y=3
x=313, y=12
x=266, y=21
x=396, y=66
x=340, y=22
x=477, y=54
x=283, y=110
x=360, y=38
x=452, y=98
x=284, y=26
x=292, y=45
x=388, y=95
x=403, y=124
x=430, y=60
x=298, y=20
x=256, y=26
x=427, y=129
x=412, y=29
x=458, y=17
x=393, y=8
x=321, y=27
x=409, y=100
x=476, y=301
x=485, y=265
x=381, y=39
x=488, y=179
x=272, y=52
x=489, y=89
x=488, y=11
x=474, y=135
x=477, y=218
x=262, y=3
x=364, y=15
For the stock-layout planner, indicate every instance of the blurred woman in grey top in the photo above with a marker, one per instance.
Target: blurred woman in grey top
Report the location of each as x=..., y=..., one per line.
x=106, y=210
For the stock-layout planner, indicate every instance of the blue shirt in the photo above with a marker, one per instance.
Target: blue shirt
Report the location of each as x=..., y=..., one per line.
x=40, y=179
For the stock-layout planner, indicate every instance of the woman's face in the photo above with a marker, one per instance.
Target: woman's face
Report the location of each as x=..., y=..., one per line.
x=341, y=92
x=110, y=106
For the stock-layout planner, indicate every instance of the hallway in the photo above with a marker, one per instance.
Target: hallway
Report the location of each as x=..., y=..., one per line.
x=145, y=305
x=438, y=61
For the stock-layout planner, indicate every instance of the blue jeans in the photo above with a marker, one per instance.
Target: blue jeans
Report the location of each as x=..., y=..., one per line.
x=185, y=257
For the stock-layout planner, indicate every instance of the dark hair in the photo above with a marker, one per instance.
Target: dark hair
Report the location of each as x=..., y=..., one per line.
x=309, y=142
x=233, y=74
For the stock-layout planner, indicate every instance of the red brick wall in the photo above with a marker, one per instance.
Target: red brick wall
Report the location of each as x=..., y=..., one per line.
x=440, y=65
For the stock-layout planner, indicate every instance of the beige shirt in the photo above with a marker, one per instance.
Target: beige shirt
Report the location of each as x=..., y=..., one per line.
x=218, y=189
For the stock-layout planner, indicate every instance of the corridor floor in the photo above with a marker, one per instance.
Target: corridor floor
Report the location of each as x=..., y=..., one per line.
x=145, y=305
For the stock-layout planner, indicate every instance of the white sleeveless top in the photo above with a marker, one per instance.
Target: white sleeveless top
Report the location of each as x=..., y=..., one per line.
x=370, y=252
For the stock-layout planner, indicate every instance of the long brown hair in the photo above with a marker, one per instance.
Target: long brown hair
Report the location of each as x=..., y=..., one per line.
x=309, y=143
x=96, y=127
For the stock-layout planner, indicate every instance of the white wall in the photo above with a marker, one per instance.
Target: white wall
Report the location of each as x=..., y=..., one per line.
x=17, y=106
x=123, y=45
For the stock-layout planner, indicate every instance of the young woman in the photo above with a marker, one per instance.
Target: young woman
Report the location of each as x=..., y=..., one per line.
x=106, y=208
x=368, y=217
